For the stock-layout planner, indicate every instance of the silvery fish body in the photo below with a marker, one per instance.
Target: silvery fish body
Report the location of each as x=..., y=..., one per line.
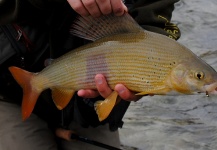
x=145, y=62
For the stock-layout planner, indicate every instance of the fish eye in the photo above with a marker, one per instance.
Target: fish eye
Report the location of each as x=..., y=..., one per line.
x=199, y=75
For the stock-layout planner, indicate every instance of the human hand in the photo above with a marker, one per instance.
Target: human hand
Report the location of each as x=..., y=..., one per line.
x=96, y=8
x=104, y=90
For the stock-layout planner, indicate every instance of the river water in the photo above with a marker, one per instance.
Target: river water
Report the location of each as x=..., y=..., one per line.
x=179, y=122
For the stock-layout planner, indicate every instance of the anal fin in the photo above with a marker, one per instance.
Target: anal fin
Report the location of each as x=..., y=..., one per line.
x=62, y=97
x=104, y=108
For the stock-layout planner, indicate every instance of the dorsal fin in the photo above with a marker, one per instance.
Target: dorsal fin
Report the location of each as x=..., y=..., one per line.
x=91, y=28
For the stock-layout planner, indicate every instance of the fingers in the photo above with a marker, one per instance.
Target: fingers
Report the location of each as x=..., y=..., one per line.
x=78, y=6
x=96, y=8
x=104, y=90
x=102, y=86
x=126, y=94
x=88, y=93
x=104, y=6
x=118, y=7
x=92, y=7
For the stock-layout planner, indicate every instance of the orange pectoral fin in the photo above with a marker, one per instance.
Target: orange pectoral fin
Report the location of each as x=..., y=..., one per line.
x=104, y=108
x=30, y=94
x=61, y=97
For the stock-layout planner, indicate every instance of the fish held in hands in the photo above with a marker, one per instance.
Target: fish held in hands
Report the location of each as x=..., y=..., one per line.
x=145, y=62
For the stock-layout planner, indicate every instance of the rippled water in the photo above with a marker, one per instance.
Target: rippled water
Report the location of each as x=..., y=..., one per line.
x=181, y=122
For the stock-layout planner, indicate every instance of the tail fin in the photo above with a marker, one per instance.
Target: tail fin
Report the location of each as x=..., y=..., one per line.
x=30, y=94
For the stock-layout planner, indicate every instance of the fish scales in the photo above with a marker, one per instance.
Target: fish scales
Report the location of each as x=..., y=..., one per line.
x=145, y=62
x=114, y=55
x=122, y=59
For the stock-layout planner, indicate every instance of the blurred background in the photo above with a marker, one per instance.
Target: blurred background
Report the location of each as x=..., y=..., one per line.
x=179, y=122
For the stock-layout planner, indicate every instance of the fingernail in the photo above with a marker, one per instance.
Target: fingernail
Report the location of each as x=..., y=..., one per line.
x=121, y=91
x=99, y=80
x=119, y=12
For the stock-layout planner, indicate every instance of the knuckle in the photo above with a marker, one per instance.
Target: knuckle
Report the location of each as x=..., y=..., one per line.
x=80, y=10
x=118, y=10
x=106, y=11
x=93, y=94
x=104, y=92
x=101, y=90
x=77, y=7
x=89, y=3
x=124, y=96
x=102, y=1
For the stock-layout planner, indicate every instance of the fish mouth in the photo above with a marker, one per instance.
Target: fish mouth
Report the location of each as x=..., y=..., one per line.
x=211, y=89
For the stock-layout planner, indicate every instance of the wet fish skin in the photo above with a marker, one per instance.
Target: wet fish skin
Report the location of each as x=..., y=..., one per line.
x=145, y=62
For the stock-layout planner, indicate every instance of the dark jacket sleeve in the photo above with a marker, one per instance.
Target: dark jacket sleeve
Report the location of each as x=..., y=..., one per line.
x=20, y=10
x=155, y=15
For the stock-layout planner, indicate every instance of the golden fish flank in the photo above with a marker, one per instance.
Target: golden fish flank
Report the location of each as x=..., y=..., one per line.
x=145, y=62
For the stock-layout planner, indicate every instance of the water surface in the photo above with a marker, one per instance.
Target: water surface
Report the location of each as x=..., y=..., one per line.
x=181, y=122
